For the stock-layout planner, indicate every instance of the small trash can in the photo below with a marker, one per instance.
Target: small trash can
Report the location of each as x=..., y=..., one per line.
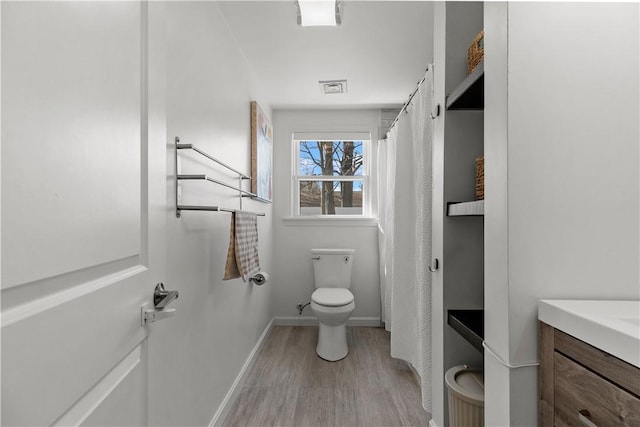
x=466, y=396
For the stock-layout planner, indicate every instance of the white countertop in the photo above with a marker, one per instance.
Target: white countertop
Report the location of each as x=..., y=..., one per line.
x=612, y=326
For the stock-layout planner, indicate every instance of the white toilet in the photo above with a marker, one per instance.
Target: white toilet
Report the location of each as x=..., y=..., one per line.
x=332, y=302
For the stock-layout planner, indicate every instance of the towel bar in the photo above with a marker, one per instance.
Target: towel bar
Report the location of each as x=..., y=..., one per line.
x=202, y=177
x=215, y=181
x=208, y=156
x=208, y=208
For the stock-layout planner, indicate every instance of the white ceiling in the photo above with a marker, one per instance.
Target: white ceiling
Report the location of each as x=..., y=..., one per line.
x=382, y=48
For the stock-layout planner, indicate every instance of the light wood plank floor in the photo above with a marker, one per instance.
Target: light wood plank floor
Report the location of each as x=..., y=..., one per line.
x=289, y=385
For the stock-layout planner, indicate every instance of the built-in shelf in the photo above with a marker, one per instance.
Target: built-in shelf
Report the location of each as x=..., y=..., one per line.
x=469, y=95
x=475, y=208
x=469, y=324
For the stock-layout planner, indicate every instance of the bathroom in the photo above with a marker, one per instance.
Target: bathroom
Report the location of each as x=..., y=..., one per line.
x=565, y=223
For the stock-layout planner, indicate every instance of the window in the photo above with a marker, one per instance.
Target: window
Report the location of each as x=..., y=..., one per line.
x=331, y=177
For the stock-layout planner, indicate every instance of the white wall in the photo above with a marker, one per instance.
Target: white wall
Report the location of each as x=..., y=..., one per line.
x=196, y=356
x=293, y=271
x=562, y=130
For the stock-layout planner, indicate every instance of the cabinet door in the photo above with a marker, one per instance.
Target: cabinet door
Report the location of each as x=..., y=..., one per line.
x=582, y=397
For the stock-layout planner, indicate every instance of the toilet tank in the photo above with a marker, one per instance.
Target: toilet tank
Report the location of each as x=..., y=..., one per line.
x=332, y=267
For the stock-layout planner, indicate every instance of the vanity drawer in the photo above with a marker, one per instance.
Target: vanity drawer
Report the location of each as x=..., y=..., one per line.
x=578, y=390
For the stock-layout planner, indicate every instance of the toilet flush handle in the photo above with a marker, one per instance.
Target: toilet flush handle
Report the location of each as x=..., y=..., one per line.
x=315, y=257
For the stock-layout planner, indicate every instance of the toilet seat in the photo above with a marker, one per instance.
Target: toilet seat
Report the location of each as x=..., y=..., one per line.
x=332, y=297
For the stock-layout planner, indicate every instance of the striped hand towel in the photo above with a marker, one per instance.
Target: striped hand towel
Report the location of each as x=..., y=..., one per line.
x=242, y=256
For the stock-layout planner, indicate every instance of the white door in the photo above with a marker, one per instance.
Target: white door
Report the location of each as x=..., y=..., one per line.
x=83, y=177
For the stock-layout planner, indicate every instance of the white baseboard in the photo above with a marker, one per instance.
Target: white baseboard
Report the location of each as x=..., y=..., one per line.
x=313, y=321
x=234, y=390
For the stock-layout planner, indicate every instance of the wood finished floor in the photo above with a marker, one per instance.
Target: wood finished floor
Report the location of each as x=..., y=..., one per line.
x=289, y=385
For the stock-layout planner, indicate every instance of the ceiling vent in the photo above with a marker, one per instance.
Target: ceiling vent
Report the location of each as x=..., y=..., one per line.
x=328, y=87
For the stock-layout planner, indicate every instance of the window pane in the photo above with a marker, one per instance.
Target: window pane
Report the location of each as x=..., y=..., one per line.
x=331, y=197
x=330, y=158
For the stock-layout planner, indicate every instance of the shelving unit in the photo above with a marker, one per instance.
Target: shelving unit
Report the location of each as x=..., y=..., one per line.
x=468, y=95
x=459, y=140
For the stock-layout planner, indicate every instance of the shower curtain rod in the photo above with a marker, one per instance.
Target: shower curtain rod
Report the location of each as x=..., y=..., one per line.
x=406, y=104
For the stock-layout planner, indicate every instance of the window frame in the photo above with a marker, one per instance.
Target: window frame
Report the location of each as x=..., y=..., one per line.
x=365, y=177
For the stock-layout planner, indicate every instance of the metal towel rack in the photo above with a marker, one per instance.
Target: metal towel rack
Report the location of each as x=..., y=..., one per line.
x=201, y=177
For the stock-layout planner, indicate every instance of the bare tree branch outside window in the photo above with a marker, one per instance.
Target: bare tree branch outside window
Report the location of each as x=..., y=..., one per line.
x=330, y=159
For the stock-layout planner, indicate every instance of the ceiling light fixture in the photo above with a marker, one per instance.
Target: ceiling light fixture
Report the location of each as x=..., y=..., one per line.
x=319, y=13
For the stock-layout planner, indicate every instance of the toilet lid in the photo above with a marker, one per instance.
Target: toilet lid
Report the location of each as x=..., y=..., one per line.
x=332, y=297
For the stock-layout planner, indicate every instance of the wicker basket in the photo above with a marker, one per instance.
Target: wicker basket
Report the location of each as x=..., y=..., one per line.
x=480, y=178
x=475, y=53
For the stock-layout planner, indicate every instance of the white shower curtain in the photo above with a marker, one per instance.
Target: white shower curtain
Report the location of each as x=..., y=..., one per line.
x=404, y=167
x=386, y=192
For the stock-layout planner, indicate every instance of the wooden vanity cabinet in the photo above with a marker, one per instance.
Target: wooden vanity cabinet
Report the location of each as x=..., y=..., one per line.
x=580, y=385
